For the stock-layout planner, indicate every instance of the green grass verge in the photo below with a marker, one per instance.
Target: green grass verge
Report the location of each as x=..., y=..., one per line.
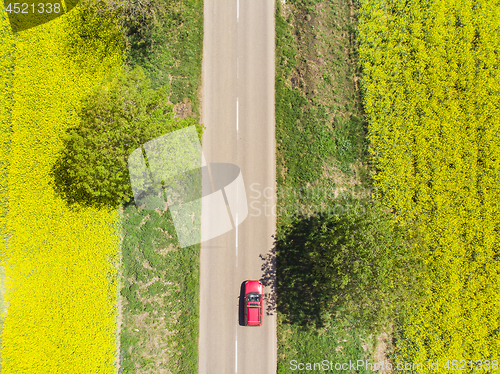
x=331, y=344
x=160, y=294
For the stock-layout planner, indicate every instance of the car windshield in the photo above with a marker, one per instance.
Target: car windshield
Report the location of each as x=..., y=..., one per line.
x=253, y=297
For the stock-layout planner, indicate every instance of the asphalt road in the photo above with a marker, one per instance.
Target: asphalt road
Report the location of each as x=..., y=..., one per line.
x=238, y=112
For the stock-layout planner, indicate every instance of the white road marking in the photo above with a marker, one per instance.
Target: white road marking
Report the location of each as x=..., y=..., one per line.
x=236, y=115
x=236, y=356
x=237, y=225
x=238, y=9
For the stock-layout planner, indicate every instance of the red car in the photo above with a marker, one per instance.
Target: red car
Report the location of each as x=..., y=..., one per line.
x=253, y=303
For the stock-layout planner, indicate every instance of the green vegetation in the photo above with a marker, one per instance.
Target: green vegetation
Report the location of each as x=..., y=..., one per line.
x=426, y=147
x=333, y=342
x=306, y=146
x=318, y=108
x=164, y=37
x=157, y=93
x=160, y=281
x=354, y=265
x=120, y=116
x=341, y=258
x=160, y=294
x=169, y=47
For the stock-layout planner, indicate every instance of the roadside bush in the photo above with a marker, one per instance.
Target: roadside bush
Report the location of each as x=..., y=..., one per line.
x=120, y=116
x=359, y=264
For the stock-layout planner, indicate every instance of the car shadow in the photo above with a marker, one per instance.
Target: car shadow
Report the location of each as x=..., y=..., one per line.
x=241, y=305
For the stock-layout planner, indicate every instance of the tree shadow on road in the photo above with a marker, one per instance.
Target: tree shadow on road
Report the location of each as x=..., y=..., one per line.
x=268, y=279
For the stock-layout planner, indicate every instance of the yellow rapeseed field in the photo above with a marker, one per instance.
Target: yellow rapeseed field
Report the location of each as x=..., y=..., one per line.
x=432, y=95
x=60, y=263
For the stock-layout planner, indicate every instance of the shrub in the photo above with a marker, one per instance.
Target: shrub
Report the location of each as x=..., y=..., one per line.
x=358, y=264
x=120, y=116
